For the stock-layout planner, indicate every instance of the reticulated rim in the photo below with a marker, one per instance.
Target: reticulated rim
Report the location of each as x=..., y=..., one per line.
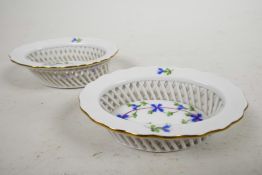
x=18, y=55
x=233, y=110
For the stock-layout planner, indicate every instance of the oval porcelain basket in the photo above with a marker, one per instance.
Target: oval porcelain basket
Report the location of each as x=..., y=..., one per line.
x=162, y=109
x=67, y=62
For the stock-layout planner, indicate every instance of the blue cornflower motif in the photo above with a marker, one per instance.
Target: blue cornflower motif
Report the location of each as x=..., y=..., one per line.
x=166, y=71
x=124, y=116
x=180, y=107
x=160, y=71
x=134, y=106
x=157, y=107
x=166, y=128
x=196, y=117
x=76, y=40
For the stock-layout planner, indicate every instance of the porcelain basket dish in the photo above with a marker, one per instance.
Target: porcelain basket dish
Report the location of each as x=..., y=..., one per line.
x=66, y=62
x=162, y=109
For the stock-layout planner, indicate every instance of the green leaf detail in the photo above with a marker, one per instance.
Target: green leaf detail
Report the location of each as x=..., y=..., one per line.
x=176, y=104
x=129, y=104
x=154, y=128
x=184, y=121
x=187, y=114
x=169, y=113
x=157, y=129
x=150, y=112
x=78, y=40
x=134, y=114
x=168, y=71
x=191, y=108
x=143, y=103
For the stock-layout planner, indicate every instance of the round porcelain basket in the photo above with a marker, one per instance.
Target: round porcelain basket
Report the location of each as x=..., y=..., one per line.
x=67, y=62
x=162, y=109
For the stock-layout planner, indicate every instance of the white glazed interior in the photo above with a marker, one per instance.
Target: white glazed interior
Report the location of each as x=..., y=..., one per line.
x=222, y=103
x=203, y=98
x=207, y=92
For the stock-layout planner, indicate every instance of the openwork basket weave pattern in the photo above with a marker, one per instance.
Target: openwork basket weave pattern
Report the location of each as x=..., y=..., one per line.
x=70, y=78
x=162, y=109
x=66, y=63
x=208, y=101
x=156, y=144
x=58, y=55
x=200, y=97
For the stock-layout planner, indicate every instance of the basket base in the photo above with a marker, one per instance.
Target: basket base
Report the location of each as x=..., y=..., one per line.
x=70, y=78
x=156, y=144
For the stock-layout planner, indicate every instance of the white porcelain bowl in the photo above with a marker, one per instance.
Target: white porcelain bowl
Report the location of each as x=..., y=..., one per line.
x=162, y=109
x=66, y=62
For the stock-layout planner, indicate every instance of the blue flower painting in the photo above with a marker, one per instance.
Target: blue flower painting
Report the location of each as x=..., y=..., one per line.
x=166, y=128
x=196, y=117
x=157, y=107
x=165, y=71
x=180, y=107
x=76, y=40
x=124, y=116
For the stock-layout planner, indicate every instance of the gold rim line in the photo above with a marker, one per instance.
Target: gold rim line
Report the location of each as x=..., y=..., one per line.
x=163, y=137
x=66, y=67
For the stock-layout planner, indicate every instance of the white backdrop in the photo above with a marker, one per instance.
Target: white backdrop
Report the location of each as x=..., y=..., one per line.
x=43, y=131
